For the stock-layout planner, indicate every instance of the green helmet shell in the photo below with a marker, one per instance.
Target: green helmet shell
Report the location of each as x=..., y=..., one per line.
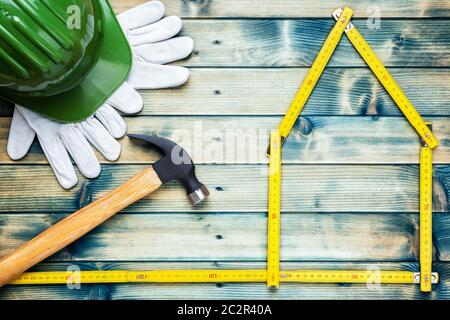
x=61, y=58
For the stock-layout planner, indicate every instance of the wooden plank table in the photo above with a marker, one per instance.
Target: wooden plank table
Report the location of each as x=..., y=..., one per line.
x=350, y=189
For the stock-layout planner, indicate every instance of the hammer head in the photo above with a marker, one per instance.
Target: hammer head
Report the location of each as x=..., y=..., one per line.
x=176, y=164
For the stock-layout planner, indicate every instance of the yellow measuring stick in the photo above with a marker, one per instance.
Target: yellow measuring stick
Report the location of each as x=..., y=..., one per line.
x=218, y=276
x=314, y=74
x=426, y=216
x=351, y=276
x=274, y=214
x=388, y=82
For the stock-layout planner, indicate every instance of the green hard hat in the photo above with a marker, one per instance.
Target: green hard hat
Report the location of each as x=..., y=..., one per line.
x=62, y=58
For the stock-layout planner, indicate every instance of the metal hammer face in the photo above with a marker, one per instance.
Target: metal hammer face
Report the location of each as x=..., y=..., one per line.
x=176, y=164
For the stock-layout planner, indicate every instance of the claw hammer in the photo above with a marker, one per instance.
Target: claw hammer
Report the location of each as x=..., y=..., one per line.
x=175, y=164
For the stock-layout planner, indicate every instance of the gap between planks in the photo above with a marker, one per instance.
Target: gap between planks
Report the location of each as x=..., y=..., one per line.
x=311, y=188
x=340, y=91
x=230, y=290
x=227, y=237
x=294, y=8
x=243, y=140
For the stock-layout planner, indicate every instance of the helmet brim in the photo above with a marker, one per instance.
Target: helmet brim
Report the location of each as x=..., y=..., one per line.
x=105, y=77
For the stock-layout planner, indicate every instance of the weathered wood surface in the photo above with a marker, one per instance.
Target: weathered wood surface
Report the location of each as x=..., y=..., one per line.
x=243, y=140
x=294, y=8
x=341, y=91
x=351, y=199
x=288, y=43
x=236, y=188
x=239, y=236
x=229, y=290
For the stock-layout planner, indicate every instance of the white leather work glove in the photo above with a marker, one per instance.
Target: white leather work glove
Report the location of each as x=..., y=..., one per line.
x=151, y=39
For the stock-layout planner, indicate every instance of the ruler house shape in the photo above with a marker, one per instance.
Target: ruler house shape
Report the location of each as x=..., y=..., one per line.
x=273, y=275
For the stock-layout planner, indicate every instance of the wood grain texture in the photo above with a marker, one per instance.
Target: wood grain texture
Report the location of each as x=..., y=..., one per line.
x=293, y=8
x=243, y=140
x=229, y=290
x=288, y=43
x=239, y=237
x=352, y=196
x=73, y=227
x=351, y=91
x=306, y=188
x=341, y=91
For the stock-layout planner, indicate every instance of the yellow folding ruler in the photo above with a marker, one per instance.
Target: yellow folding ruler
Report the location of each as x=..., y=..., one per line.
x=391, y=86
x=218, y=276
x=426, y=215
x=272, y=276
x=274, y=213
x=388, y=81
x=314, y=74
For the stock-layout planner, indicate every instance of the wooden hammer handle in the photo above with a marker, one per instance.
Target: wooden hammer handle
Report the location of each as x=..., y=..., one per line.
x=76, y=225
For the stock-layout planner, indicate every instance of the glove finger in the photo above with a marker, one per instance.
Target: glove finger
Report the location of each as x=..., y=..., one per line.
x=156, y=32
x=161, y=76
x=53, y=147
x=112, y=121
x=59, y=159
x=141, y=15
x=166, y=51
x=126, y=99
x=80, y=150
x=21, y=136
x=100, y=138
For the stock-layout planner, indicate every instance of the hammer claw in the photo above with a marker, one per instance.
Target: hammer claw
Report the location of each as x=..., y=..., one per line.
x=163, y=144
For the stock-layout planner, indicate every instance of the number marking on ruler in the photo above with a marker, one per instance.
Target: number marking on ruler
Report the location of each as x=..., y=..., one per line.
x=313, y=75
x=388, y=82
x=426, y=216
x=274, y=213
x=218, y=276
x=345, y=276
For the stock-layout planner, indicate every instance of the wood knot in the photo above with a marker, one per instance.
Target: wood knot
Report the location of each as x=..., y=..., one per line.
x=371, y=106
x=440, y=193
x=99, y=292
x=201, y=7
x=399, y=40
x=84, y=196
x=305, y=126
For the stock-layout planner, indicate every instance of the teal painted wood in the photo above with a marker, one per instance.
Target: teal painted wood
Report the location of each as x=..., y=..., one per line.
x=306, y=188
x=243, y=140
x=232, y=291
x=295, y=43
x=317, y=195
x=295, y=8
x=239, y=236
x=341, y=91
x=305, y=8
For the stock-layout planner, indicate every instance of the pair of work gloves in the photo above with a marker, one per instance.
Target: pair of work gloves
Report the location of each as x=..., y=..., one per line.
x=151, y=38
